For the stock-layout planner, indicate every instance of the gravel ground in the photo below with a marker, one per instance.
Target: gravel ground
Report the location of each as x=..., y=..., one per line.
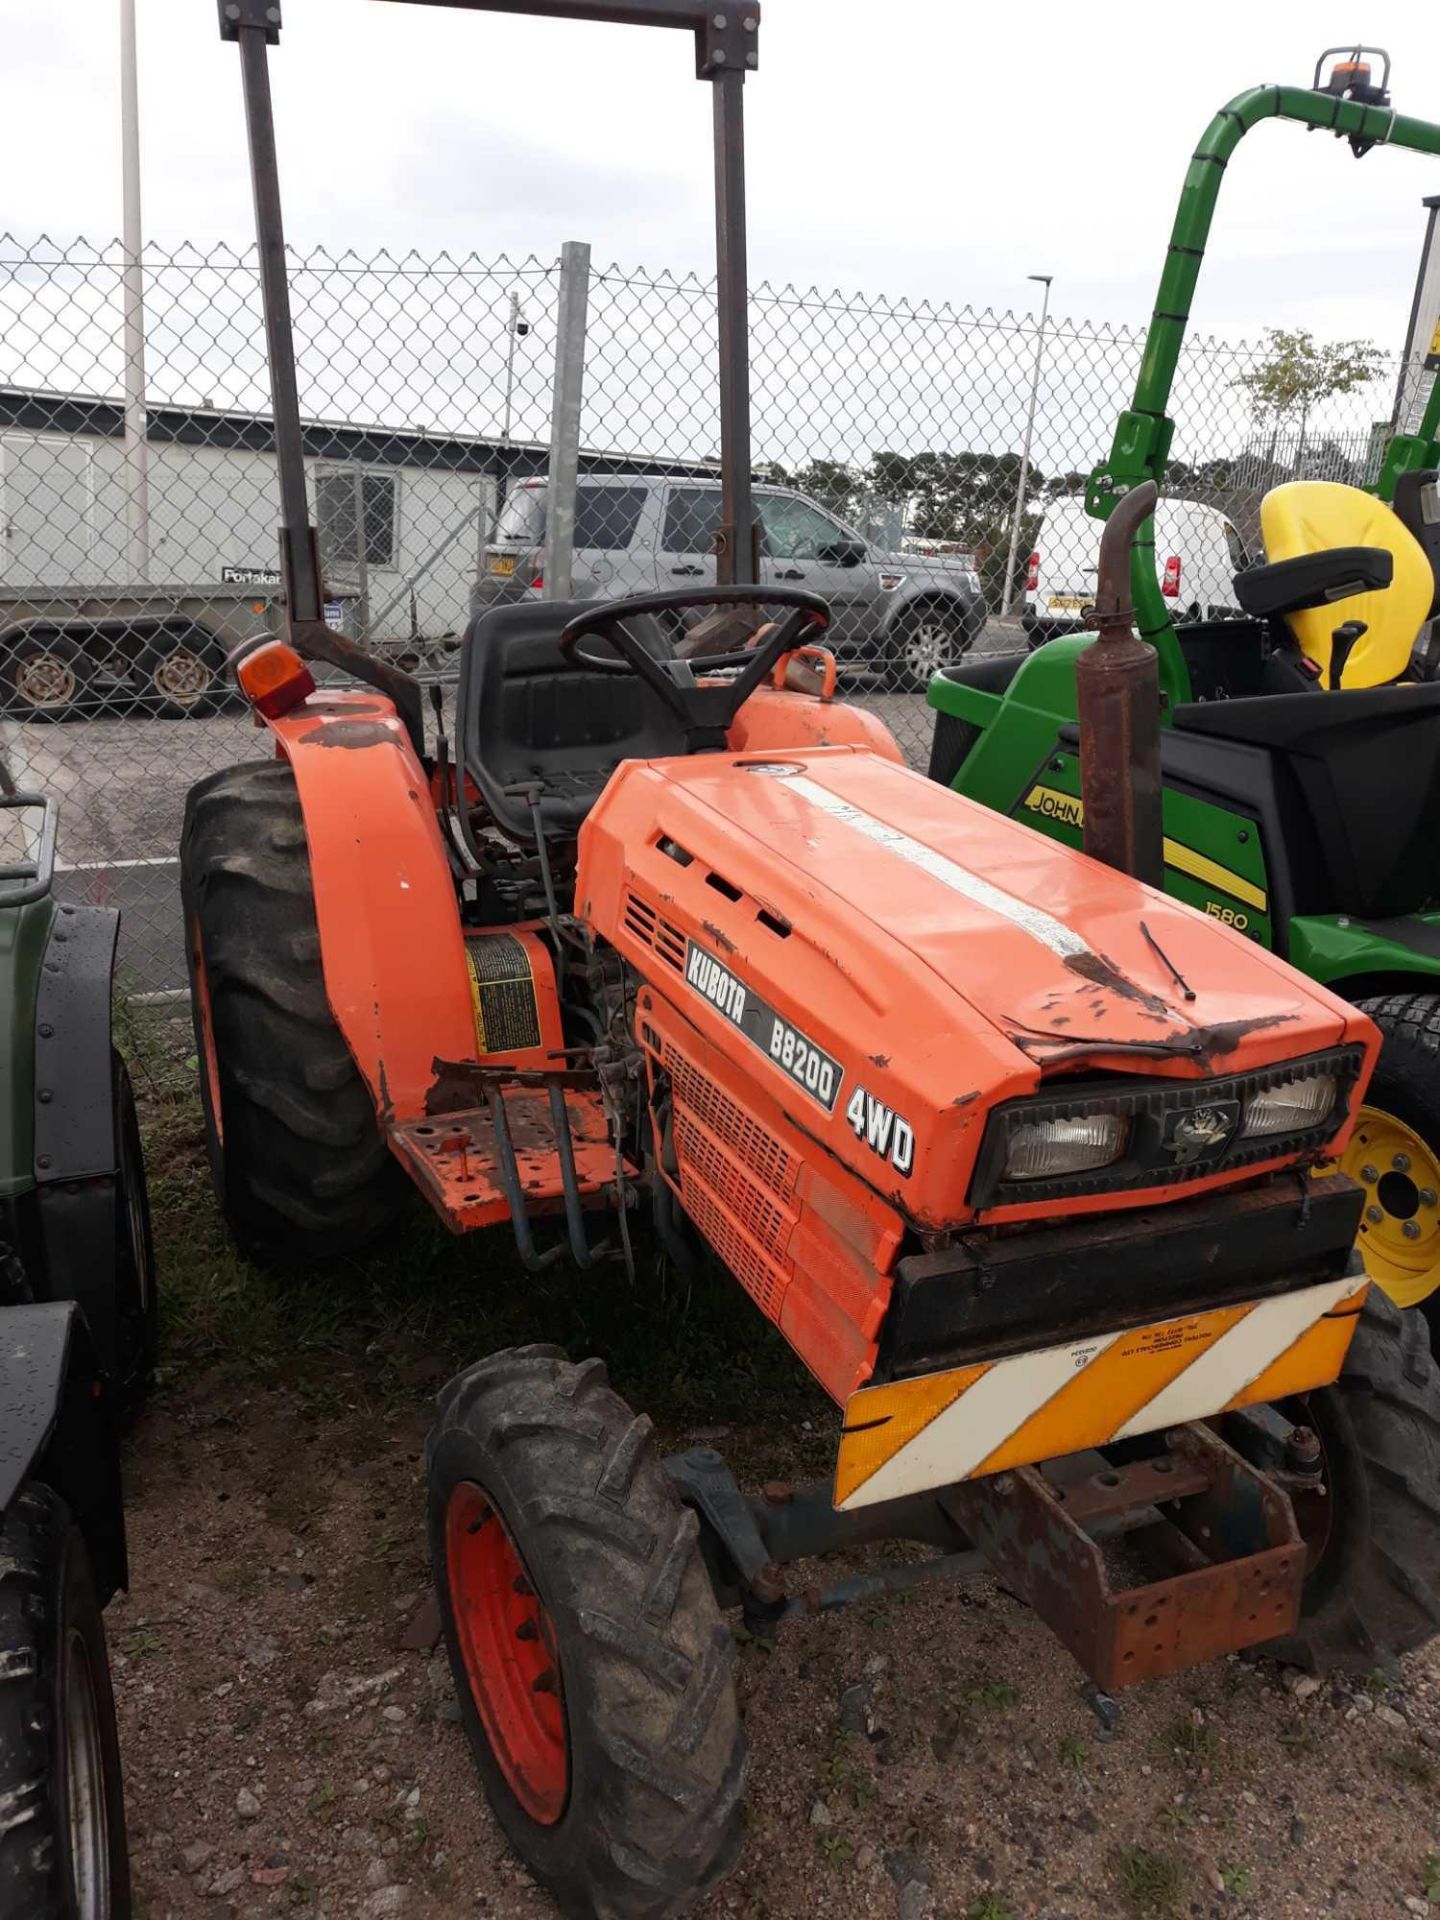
x=285, y=1753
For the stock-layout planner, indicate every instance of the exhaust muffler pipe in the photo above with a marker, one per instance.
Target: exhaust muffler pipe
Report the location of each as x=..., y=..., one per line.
x=1117, y=688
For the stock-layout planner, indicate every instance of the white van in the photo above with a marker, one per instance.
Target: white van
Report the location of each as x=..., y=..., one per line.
x=1197, y=555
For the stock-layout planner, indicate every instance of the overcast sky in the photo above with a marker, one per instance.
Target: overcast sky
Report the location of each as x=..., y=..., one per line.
x=924, y=148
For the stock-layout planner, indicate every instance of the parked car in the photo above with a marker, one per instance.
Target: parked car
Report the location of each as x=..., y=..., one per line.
x=1197, y=555
x=898, y=616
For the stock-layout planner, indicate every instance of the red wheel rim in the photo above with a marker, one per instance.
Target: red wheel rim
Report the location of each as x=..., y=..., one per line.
x=209, y=1060
x=508, y=1646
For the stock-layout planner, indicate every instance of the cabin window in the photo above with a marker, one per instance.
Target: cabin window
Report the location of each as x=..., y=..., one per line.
x=341, y=507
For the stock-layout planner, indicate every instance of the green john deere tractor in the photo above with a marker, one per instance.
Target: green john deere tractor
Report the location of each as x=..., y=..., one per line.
x=78, y=1327
x=1300, y=754
x=74, y=1218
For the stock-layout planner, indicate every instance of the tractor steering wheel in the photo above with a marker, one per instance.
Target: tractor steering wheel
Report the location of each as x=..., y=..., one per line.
x=704, y=708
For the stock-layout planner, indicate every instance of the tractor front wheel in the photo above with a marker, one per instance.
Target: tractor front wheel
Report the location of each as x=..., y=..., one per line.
x=592, y=1666
x=301, y=1171
x=1394, y=1153
x=1372, y=1589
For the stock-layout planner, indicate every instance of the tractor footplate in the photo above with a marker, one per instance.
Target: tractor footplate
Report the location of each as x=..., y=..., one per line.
x=457, y=1162
x=1071, y=1536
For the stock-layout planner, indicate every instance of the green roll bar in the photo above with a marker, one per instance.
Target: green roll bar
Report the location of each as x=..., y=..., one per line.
x=1144, y=432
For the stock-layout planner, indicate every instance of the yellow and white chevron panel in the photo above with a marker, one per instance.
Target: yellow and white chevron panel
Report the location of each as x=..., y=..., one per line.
x=912, y=1435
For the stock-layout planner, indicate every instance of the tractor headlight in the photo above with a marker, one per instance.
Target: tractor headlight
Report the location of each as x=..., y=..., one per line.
x=1117, y=1134
x=1048, y=1149
x=1290, y=1106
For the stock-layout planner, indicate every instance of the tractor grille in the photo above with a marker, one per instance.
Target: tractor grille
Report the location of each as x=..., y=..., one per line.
x=654, y=931
x=738, y=1181
x=733, y=1128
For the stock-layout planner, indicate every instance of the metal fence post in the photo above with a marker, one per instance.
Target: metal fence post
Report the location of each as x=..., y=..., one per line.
x=137, y=450
x=566, y=398
x=362, y=558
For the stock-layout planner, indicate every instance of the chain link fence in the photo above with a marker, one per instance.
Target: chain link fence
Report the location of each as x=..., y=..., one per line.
x=139, y=502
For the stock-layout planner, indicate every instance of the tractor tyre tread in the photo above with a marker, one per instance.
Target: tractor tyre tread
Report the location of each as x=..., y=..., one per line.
x=657, y=1751
x=1380, y=1426
x=302, y=1172
x=46, y=1590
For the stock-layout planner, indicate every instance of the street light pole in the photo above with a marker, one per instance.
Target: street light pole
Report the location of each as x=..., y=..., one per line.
x=1007, y=597
x=137, y=478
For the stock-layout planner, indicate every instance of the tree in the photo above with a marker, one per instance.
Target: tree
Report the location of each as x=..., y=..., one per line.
x=830, y=482
x=966, y=497
x=1060, y=484
x=1299, y=373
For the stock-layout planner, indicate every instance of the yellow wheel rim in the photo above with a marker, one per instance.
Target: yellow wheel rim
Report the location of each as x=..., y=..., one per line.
x=1400, y=1227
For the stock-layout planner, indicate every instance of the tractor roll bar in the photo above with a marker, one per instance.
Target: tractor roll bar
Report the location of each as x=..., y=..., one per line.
x=255, y=27
x=727, y=35
x=1144, y=432
x=727, y=47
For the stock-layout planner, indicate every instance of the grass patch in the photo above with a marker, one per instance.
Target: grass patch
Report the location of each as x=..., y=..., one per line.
x=840, y=1777
x=1150, y=1883
x=996, y=1696
x=1194, y=1740
x=1411, y=1763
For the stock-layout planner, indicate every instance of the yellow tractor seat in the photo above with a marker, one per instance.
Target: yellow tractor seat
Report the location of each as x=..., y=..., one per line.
x=1316, y=517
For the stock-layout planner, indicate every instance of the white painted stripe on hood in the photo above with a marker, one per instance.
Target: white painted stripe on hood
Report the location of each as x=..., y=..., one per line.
x=1062, y=941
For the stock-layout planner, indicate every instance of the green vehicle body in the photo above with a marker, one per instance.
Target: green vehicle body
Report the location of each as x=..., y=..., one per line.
x=24, y=935
x=1011, y=753
x=74, y=1222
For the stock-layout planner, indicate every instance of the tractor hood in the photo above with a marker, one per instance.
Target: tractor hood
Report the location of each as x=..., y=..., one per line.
x=917, y=950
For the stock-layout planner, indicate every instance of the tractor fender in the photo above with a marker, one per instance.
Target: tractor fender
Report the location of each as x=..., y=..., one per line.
x=57, y=1424
x=74, y=1113
x=774, y=720
x=76, y=1142
x=386, y=907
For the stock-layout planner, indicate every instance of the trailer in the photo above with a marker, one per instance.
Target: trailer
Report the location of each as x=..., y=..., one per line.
x=402, y=516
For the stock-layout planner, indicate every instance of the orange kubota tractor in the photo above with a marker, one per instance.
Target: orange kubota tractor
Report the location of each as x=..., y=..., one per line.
x=1024, y=1159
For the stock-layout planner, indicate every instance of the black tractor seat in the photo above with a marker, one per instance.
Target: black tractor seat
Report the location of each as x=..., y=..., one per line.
x=529, y=723
x=1366, y=766
x=986, y=672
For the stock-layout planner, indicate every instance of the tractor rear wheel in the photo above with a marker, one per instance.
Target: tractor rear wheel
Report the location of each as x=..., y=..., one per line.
x=62, y=1839
x=1394, y=1153
x=1373, y=1586
x=300, y=1168
x=588, y=1652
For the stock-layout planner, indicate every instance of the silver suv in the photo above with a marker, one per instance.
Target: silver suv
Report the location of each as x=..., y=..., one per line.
x=898, y=616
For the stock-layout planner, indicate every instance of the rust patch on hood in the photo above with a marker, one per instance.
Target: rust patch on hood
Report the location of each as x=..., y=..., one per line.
x=1101, y=972
x=1203, y=1045
x=722, y=940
